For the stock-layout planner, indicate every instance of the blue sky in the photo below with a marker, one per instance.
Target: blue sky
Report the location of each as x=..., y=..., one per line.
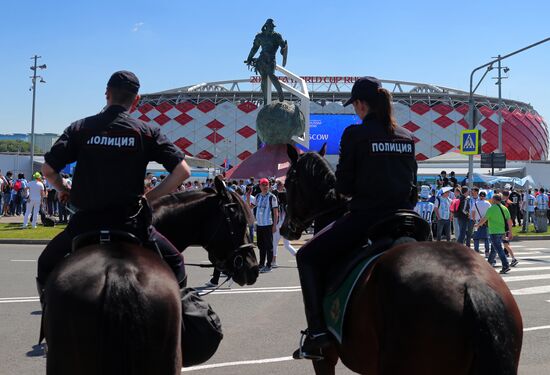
x=176, y=43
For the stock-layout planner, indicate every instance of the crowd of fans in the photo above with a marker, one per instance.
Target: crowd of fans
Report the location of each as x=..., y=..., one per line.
x=18, y=192
x=453, y=211
x=484, y=214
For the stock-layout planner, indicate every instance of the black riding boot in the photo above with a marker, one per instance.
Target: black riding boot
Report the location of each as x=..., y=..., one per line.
x=317, y=337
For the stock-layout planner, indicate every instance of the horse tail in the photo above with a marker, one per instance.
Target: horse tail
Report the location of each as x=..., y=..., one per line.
x=123, y=323
x=493, y=330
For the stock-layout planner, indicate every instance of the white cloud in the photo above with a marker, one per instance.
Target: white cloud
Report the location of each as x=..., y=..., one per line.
x=137, y=26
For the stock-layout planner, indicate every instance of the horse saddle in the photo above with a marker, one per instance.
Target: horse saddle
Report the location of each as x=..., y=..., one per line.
x=104, y=237
x=404, y=226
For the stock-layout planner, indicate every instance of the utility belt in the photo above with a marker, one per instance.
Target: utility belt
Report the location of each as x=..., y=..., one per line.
x=135, y=218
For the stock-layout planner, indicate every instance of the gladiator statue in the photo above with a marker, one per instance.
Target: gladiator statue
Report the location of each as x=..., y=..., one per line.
x=264, y=64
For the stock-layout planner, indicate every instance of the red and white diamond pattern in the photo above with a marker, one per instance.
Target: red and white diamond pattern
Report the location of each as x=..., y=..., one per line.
x=228, y=130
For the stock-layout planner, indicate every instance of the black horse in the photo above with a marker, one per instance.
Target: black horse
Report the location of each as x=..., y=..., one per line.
x=115, y=308
x=421, y=307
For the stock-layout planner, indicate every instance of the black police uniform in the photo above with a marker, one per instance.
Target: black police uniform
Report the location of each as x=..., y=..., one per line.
x=112, y=151
x=378, y=171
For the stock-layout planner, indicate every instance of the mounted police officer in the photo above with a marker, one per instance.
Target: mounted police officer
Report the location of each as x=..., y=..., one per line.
x=377, y=170
x=108, y=143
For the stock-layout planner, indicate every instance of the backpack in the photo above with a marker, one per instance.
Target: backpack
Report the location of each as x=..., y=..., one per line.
x=6, y=186
x=201, y=329
x=454, y=205
x=18, y=185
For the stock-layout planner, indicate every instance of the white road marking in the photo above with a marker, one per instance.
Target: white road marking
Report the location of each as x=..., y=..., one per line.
x=528, y=269
x=279, y=289
x=23, y=260
x=532, y=290
x=535, y=248
x=283, y=359
x=535, y=328
x=526, y=252
x=510, y=279
x=14, y=300
x=238, y=363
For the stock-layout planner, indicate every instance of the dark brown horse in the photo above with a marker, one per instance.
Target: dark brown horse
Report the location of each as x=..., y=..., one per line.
x=115, y=308
x=421, y=308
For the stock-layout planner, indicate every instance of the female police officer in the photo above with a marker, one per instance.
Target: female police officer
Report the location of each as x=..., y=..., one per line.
x=377, y=170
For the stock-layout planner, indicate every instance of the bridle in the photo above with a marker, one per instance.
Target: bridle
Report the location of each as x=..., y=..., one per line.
x=238, y=254
x=297, y=225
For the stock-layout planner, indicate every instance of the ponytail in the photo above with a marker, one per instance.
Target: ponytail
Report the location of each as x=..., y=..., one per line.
x=381, y=106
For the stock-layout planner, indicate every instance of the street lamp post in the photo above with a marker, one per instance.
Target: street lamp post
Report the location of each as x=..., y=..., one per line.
x=33, y=88
x=499, y=83
x=471, y=102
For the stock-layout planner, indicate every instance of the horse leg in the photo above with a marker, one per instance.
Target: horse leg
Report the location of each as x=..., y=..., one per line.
x=326, y=366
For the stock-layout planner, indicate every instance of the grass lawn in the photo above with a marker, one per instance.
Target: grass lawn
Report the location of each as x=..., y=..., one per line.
x=516, y=231
x=14, y=230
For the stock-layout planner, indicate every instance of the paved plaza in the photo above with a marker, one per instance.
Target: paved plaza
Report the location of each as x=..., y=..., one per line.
x=260, y=322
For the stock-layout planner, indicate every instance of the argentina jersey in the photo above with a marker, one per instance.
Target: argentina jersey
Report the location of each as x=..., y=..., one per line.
x=264, y=206
x=425, y=210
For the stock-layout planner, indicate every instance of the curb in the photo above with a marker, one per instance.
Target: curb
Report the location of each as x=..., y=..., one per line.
x=22, y=241
x=527, y=238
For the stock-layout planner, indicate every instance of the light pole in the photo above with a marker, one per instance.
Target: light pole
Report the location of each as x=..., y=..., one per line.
x=499, y=83
x=33, y=88
x=471, y=103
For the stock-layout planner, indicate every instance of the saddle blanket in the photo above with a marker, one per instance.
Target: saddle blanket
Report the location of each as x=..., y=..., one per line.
x=335, y=304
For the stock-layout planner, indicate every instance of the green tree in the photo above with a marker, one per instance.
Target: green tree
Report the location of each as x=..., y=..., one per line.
x=8, y=145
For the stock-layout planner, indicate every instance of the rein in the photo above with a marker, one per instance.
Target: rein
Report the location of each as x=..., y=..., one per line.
x=303, y=223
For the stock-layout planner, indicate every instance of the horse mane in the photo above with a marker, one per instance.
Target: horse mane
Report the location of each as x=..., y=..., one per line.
x=173, y=204
x=322, y=176
x=248, y=215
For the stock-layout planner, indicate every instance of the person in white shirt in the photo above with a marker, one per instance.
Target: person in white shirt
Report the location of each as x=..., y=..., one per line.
x=424, y=208
x=541, y=205
x=35, y=194
x=477, y=213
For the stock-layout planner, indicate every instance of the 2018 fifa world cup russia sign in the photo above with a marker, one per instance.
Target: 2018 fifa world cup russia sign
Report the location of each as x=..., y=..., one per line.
x=311, y=79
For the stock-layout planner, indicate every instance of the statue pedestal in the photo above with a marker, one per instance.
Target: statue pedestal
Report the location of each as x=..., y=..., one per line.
x=269, y=161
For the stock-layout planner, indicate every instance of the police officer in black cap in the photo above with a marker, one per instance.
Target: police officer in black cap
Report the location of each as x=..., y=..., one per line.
x=377, y=170
x=112, y=151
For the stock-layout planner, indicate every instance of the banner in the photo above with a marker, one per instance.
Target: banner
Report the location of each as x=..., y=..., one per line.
x=328, y=129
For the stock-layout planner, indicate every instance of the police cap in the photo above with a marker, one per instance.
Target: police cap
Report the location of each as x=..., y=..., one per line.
x=363, y=89
x=125, y=80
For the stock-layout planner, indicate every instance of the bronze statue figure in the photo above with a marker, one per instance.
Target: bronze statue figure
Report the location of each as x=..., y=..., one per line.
x=264, y=65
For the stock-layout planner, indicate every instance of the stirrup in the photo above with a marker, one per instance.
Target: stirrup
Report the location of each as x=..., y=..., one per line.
x=300, y=354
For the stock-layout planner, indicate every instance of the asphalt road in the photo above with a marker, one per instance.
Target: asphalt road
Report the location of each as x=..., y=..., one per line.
x=261, y=322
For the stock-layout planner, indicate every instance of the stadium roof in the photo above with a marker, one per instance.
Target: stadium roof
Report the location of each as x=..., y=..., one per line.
x=324, y=88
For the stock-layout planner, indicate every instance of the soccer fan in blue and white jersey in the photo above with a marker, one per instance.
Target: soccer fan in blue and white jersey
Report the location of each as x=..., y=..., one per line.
x=424, y=208
x=541, y=205
x=443, y=214
x=267, y=217
x=529, y=207
x=477, y=213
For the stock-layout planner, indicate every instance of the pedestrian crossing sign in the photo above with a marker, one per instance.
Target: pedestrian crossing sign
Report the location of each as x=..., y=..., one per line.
x=470, y=141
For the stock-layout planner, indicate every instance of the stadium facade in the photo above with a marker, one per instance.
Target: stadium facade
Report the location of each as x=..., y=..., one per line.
x=216, y=120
